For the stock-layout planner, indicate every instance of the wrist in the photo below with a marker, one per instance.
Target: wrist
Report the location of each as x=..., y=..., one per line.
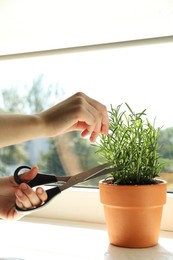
x=39, y=126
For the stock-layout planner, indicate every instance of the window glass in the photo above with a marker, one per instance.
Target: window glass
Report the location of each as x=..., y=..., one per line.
x=139, y=74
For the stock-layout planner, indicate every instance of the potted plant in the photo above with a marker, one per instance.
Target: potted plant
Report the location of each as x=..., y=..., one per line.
x=133, y=196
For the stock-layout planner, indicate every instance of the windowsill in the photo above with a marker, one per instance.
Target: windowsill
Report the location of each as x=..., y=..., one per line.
x=83, y=205
x=35, y=238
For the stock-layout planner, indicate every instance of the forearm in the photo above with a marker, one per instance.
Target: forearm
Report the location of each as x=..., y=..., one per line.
x=16, y=128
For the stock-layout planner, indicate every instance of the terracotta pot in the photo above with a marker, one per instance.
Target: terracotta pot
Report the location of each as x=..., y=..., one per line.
x=133, y=213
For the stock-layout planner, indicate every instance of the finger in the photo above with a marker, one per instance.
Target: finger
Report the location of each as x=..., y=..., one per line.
x=22, y=199
x=41, y=193
x=19, y=204
x=105, y=123
x=101, y=127
x=96, y=128
x=29, y=175
x=93, y=120
x=104, y=129
x=27, y=196
x=100, y=115
x=102, y=109
x=94, y=136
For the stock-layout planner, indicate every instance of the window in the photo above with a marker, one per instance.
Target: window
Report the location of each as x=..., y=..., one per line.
x=139, y=73
x=117, y=66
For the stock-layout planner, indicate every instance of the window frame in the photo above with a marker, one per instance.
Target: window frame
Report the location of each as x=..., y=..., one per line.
x=92, y=22
x=83, y=204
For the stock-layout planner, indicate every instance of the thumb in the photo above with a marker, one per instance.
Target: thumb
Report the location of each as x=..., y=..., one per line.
x=30, y=174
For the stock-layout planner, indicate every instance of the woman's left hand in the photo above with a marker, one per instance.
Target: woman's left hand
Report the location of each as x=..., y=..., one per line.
x=21, y=195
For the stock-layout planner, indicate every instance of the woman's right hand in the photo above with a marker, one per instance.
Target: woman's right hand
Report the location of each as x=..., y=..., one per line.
x=78, y=112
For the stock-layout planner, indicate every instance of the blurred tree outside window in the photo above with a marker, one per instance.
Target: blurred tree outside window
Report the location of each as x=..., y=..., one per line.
x=140, y=75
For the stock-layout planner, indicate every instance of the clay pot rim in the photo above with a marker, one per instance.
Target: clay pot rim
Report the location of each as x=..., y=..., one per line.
x=108, y=182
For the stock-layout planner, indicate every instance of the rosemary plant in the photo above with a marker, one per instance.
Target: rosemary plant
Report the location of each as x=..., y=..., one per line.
x=132, y=146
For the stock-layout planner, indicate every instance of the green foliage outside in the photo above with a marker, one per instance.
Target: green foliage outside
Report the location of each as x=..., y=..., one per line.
x=50, y=162
x=166, y=149
x=38, y=97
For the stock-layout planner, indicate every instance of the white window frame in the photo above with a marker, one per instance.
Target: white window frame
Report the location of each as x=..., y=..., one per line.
x=114, y=21
x=83, y=204
x=68, y=24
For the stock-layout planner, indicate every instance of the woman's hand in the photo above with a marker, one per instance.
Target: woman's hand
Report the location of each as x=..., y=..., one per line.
x=78, y=112
x=21, y=195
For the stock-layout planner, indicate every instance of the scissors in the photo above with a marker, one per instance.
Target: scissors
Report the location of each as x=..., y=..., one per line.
x=61, y=183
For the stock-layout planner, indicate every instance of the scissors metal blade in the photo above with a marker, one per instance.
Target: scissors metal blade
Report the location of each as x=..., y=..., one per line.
x=80, y=177
x=105, y=171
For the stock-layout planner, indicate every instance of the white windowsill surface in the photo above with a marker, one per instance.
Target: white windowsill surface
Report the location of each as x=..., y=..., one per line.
x=83, y=205
x=38, y=238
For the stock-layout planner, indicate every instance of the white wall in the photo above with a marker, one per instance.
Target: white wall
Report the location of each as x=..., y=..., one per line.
x=35, y=25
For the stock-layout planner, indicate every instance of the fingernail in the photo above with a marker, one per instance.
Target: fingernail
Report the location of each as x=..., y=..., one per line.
x=93, y=139
x=40, y=191
x=104, y=129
